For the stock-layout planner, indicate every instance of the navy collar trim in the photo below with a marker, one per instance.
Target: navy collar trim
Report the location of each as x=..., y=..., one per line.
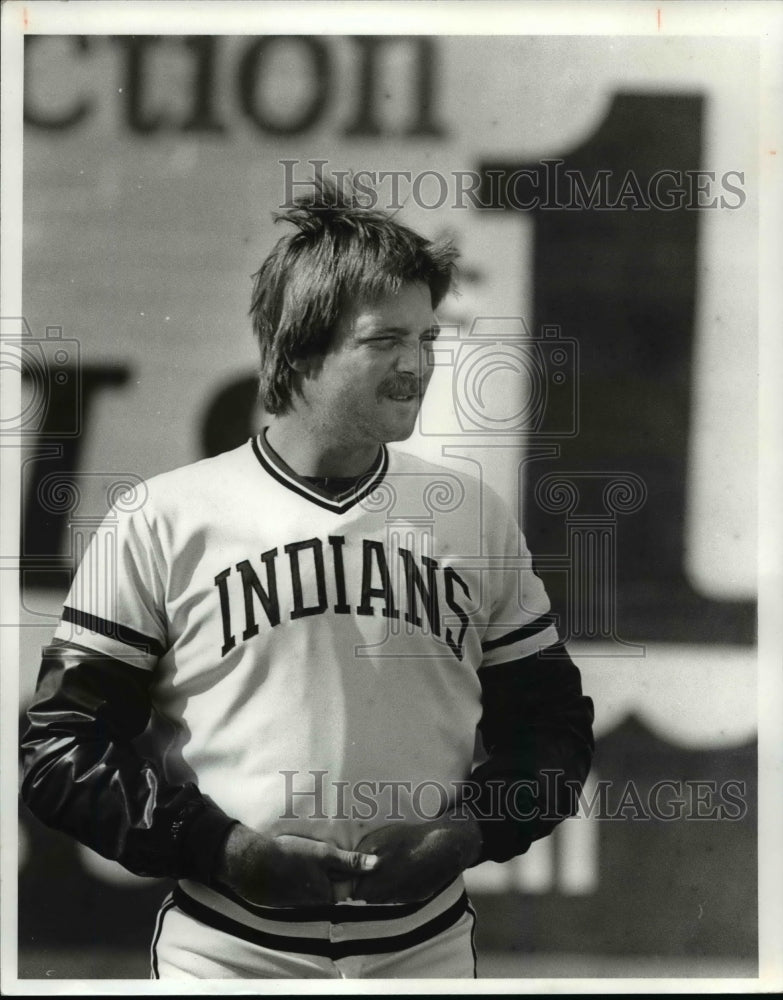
x=365, y=484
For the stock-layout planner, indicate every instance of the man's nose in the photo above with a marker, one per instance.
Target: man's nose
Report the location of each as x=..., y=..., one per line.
x=414, y=357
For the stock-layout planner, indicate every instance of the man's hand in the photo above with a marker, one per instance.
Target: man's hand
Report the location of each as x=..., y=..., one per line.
x=286, y=870
x=416, y=860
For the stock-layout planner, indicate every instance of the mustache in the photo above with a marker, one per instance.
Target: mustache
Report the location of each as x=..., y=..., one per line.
x=401, y=384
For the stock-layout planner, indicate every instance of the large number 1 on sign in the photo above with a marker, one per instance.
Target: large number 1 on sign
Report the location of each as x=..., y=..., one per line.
x=622, y=282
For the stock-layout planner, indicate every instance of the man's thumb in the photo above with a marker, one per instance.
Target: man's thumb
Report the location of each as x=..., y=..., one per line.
x=355, y=861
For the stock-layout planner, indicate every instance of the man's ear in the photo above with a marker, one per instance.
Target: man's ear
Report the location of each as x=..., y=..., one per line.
x=306, y=367
x=300, y=365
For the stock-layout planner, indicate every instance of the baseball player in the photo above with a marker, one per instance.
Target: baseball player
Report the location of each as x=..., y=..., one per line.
x=272, y=664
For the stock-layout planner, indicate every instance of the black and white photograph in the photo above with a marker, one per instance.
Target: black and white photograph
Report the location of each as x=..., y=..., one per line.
x=391, y=556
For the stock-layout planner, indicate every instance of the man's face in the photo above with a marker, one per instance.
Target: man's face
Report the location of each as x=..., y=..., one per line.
x=368, y=387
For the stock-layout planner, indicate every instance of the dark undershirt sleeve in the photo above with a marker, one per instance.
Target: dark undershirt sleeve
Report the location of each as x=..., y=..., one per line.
x=536, y=727
x=83, y=775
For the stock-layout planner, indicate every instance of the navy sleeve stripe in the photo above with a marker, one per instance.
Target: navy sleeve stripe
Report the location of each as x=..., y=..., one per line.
x=540, y=624
x=123, y=634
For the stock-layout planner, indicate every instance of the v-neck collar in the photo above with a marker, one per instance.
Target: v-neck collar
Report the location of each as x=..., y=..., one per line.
x=286, y=476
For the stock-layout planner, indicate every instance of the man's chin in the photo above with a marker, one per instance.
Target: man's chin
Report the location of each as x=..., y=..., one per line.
x=403, y=423
x=401, y=430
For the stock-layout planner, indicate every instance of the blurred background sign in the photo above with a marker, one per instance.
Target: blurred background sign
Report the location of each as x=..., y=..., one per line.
x=599, y=369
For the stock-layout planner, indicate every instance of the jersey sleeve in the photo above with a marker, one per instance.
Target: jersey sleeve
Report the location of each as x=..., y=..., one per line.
x=536, y=724
x=116, y=602
x=520, y=623
x=82, y=771
x=83, y=775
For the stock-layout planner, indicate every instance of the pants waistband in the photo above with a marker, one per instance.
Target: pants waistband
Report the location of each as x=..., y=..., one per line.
x=352, y=935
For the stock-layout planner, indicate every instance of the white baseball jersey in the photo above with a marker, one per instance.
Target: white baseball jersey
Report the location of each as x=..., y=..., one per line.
x=318, y=658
